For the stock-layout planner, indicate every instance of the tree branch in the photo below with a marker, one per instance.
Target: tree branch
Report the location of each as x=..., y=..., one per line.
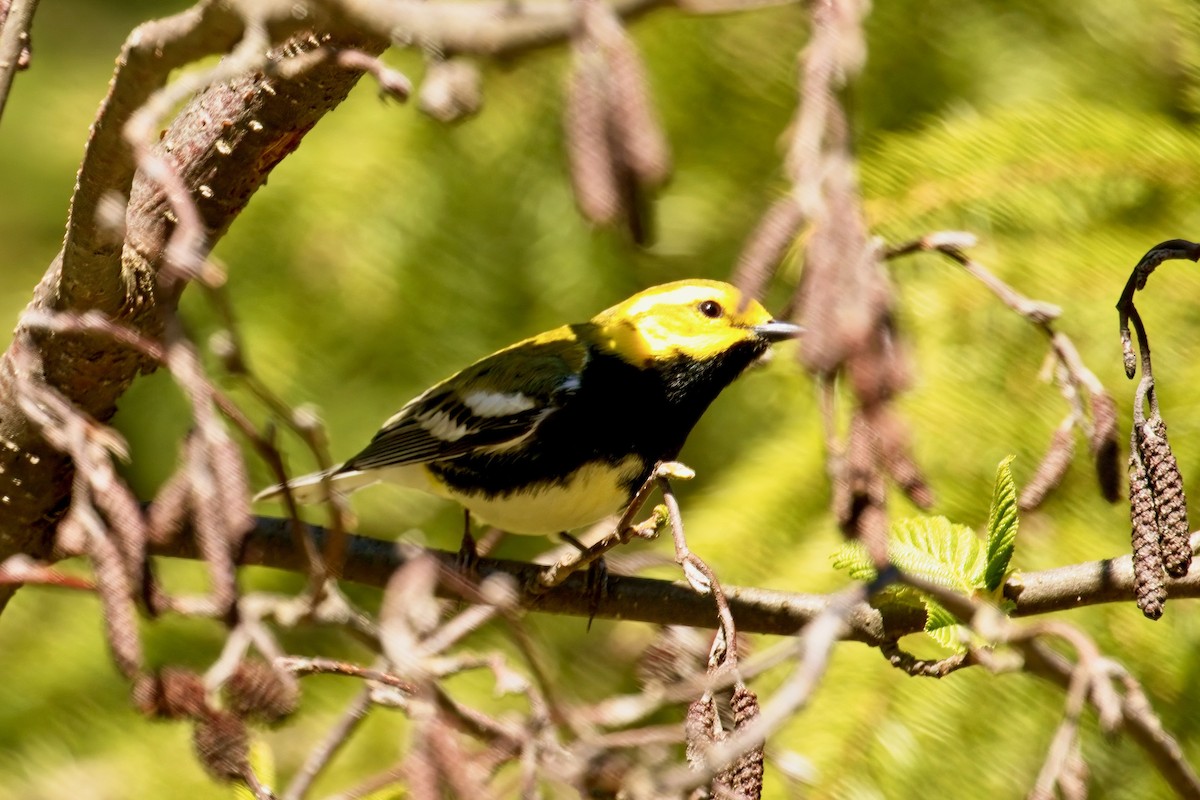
x=222, y=147
x=492, y=28
x=258, y=121
x=372, y=561
x=15, y=18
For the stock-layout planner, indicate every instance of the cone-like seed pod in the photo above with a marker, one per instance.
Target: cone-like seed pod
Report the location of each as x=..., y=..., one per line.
x=1167, y=485
x=699, y=727
x=168, y=513
x=1051, y=470
x=635, y=124
x=223, y=746
x=172, y=693
x=1148, y=586
x=589, y=150
x=1104, y=447
x=256, y=690
x=767, y=246
x=745, y=776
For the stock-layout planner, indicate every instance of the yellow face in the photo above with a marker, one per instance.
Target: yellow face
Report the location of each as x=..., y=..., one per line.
x=695, y=318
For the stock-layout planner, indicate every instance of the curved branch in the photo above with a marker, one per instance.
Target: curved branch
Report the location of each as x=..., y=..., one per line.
x=372, y=561
x=91, y=275
x=224, y=144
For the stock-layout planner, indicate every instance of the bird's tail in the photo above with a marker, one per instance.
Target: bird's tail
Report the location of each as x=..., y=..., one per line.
x=309, y=489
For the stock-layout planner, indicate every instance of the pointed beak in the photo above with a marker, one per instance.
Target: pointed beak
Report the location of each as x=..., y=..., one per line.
x=777, y=331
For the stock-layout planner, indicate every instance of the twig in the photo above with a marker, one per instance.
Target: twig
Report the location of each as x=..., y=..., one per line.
x=22, y=570
x=321, y=755
x=14, y=44
x=96, y=323
x=1075, y=377
x=623, y=532
x=1138, y=720
x=328, y=666
x=1133, y=711
x=492, y=28
x=813, y=647
x=699, y=575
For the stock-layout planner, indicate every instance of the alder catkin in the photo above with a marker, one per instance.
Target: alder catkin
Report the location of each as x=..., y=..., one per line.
x=1052, y=469
x=223, y=746
x=1167, y=486
x=700, y=728
x=1148, y=586
x=589, y=151
x=636, y=126
x=1104, y=446
x=768, y=246
x=256, y=690
x=745, y=776
x=170, y=693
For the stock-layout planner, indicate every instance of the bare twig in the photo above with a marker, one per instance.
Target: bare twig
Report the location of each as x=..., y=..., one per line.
x=1075, y=378
x=23, y=570
x=14, y=42
x=623, y=532
x=335, y=738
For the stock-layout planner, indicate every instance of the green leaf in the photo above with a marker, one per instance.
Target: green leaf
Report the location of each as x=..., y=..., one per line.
x=943, y=627
x=1002, y=526
x=852, y=557
x=933, y=548
x=939, y=550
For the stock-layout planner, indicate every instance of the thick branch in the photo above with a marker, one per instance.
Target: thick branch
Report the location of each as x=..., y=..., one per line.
x=91, y=275
x=224, y=143
x=372, y=562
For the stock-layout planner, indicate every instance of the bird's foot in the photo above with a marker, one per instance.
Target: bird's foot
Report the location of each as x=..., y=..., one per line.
x=467, y=560
x=596, y=578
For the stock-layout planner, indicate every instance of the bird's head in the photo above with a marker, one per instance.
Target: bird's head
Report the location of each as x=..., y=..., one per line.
x=694, y=319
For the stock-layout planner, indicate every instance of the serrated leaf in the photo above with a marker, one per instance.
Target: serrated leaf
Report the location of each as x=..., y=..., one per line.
x=933, y=548
x=852, y=557
x=939, y=550
x=1002, y=526
x=943, y=627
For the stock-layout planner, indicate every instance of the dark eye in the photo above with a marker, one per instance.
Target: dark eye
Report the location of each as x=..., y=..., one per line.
x=711, y=309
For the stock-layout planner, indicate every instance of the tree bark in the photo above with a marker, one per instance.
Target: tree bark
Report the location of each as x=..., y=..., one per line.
x=224, y=144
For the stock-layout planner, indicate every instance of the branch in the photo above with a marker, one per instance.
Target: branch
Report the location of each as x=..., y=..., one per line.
x=221, y=165
x=15, y=18
x=371, y=562
x=492, y=28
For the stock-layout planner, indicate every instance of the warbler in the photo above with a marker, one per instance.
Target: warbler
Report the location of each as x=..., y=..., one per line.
x=558, y=431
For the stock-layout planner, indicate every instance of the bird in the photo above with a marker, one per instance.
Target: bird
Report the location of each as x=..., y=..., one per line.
x=558, y=431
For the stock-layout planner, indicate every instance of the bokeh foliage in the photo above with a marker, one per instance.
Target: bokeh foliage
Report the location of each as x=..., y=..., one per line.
x=390, y=250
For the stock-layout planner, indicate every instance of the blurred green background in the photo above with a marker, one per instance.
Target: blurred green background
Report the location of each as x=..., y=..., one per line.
x=391, y=250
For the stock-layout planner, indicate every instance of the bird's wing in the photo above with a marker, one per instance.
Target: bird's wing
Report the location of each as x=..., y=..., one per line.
x=494, y=403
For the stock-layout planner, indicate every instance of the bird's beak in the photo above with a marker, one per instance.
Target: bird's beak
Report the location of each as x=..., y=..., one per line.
x=777, y=331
